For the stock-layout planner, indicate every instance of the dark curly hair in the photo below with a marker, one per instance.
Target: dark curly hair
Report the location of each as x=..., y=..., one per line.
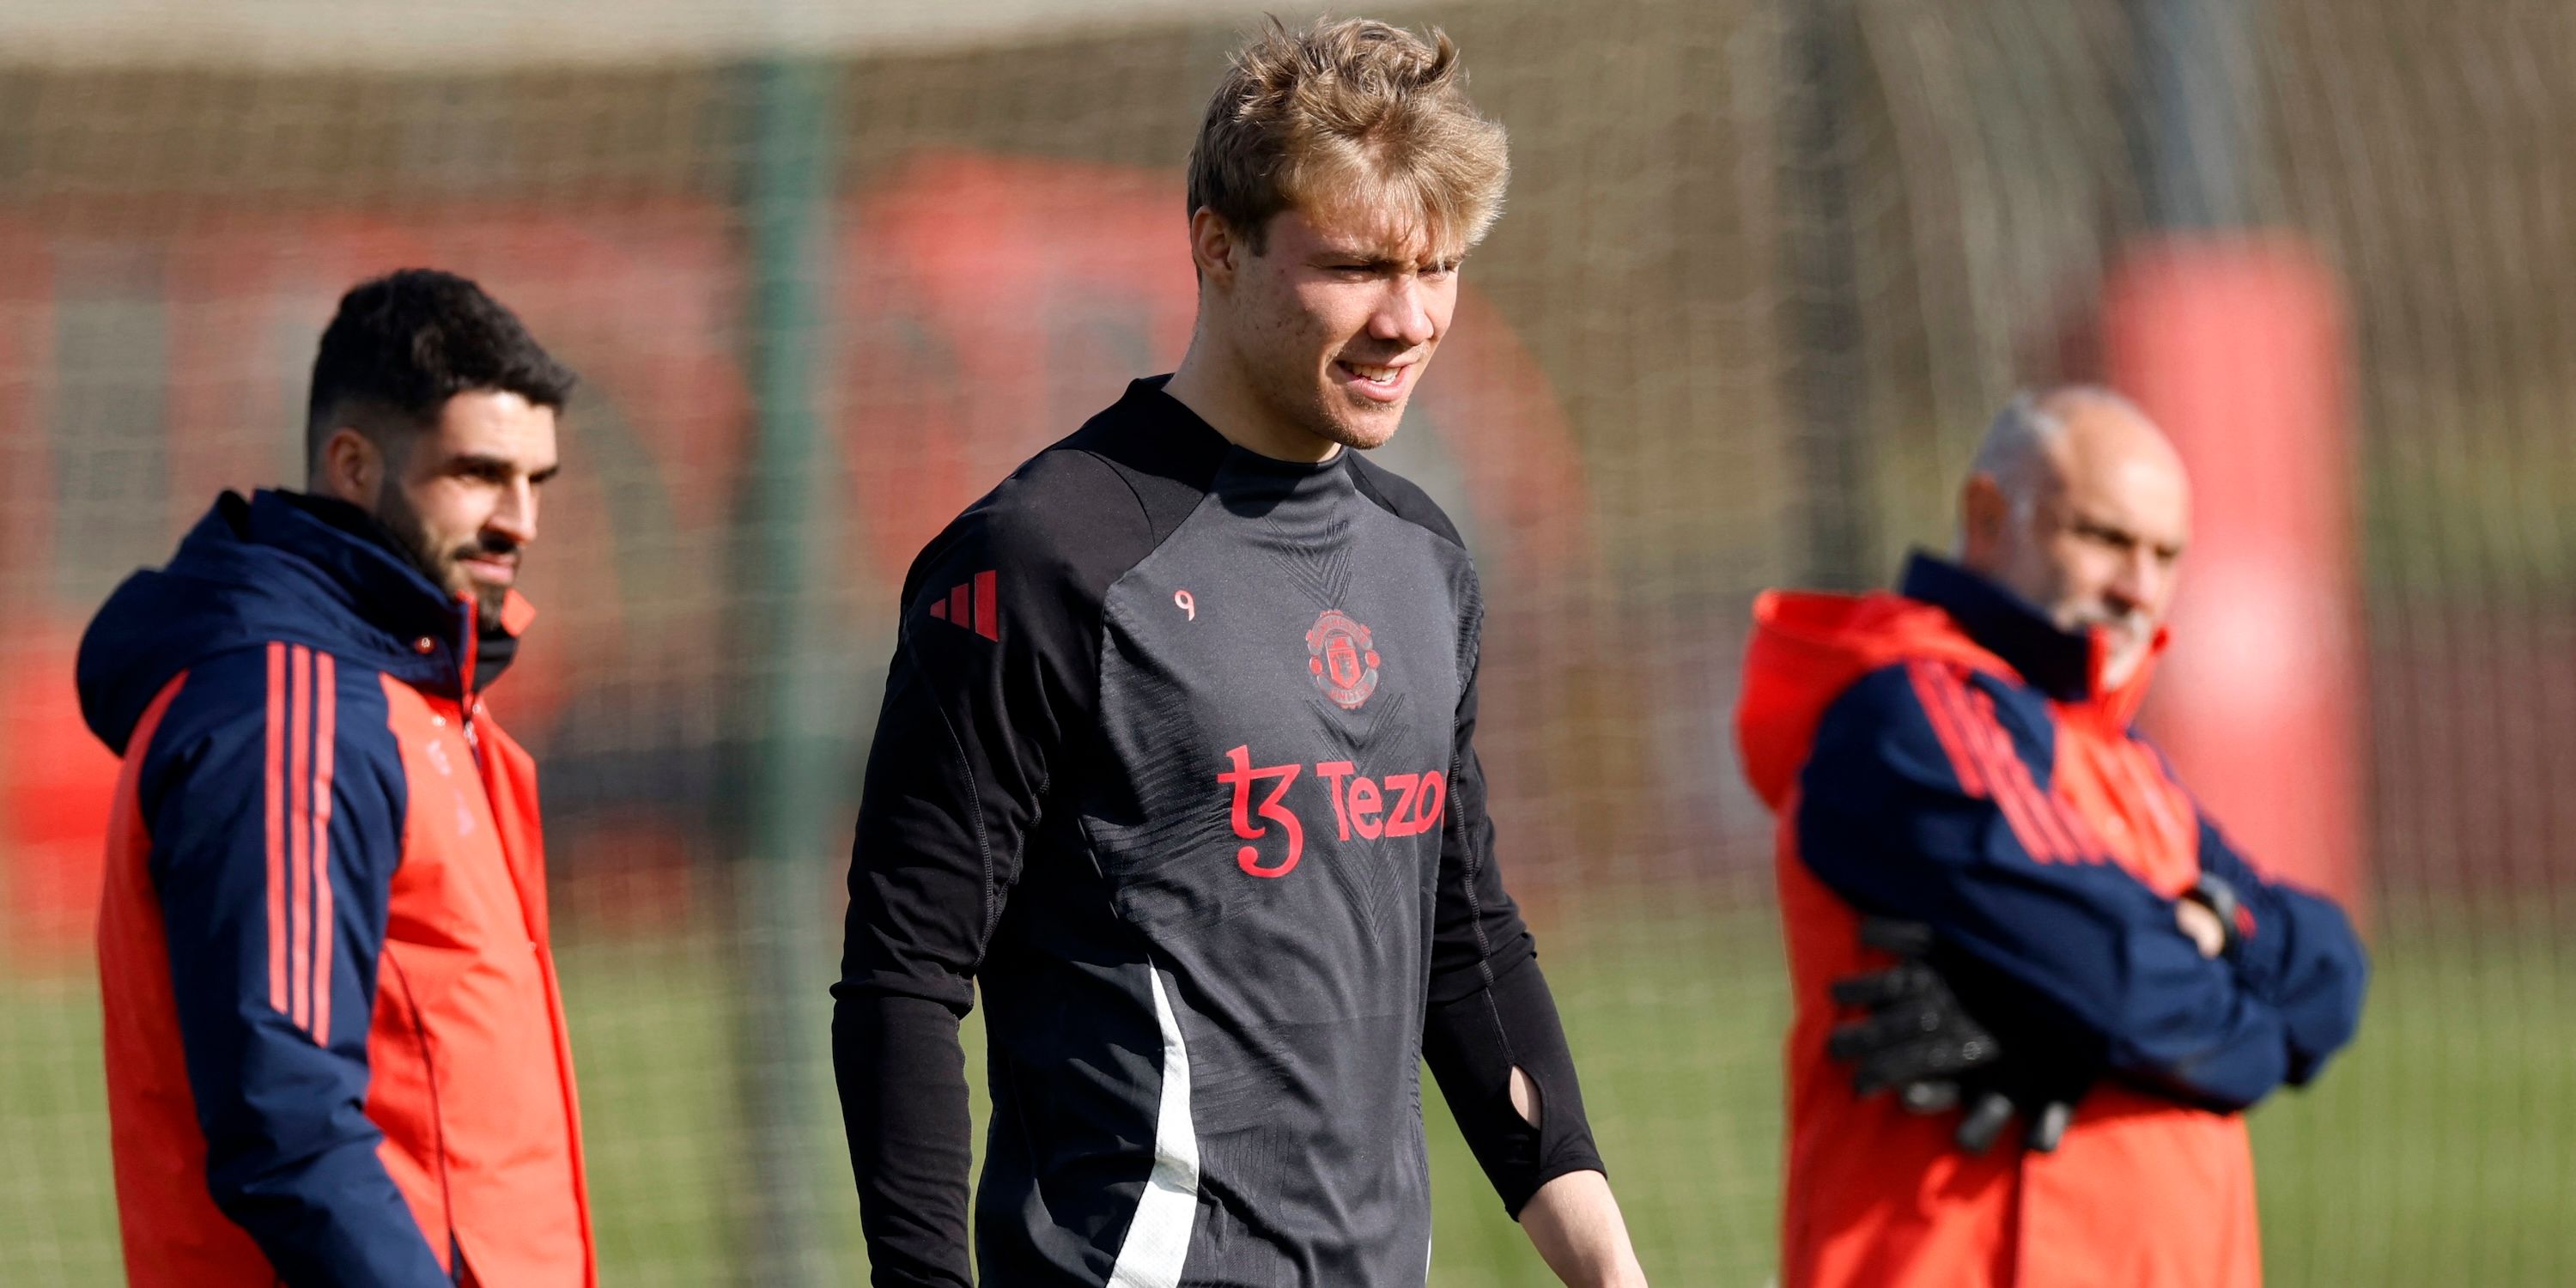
x=401, y=345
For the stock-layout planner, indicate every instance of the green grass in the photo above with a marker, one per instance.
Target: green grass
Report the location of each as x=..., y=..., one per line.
x=57, y=1200
x=2442, y=1149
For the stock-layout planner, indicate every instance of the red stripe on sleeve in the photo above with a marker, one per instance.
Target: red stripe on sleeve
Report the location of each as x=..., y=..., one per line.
x=2075, y=840
x=2036, y=822
x=276, y=812
x=299, y=838
x=326, y=709
x=2017, y=812
x=988, y=609
x=1937, y=690
x=1992, y=770
x=2087, y=843
x=1981, y=752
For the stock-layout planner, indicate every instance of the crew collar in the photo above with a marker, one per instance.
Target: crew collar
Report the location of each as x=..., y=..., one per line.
x=1196, y=437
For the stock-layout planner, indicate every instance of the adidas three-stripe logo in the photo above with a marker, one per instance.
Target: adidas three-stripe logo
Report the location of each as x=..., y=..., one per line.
x=303, y=706
x=974, y=605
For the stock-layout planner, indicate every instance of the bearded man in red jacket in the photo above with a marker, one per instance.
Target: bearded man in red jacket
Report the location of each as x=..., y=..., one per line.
x=1957, y=781
x=335, y=1049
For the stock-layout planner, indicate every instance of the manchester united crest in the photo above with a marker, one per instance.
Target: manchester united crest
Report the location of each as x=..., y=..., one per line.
x=1340, y=656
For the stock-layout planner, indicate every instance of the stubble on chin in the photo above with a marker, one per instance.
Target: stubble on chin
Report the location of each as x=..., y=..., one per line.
x=448, y=574
x=2122, y=667
x=1326, y=411
x=1359, y=428
x=1310, y=411
x=443, y=571
x=1365, y=437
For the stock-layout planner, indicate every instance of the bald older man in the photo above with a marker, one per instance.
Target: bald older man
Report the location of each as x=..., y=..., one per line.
x=1956, y=779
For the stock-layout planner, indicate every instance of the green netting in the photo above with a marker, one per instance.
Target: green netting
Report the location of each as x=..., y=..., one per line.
x=1764, y=272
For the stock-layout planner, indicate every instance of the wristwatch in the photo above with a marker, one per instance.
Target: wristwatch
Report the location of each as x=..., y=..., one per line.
x=2213, y=892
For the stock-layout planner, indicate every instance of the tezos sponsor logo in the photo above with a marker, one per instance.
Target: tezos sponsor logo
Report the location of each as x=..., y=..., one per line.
x=1397, y=805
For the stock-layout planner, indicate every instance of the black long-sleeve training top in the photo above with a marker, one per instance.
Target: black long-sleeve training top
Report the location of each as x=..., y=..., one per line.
x=1176, y=761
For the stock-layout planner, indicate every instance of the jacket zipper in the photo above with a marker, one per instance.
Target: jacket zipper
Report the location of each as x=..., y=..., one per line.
x=465, y=703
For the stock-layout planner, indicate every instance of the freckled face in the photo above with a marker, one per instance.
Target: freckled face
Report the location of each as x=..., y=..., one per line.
x=1336, y=321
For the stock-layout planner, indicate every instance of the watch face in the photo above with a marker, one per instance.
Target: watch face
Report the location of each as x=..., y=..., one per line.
x=2234, y=921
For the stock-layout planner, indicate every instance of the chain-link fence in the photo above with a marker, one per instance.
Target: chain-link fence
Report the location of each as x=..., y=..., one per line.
x=1764, y=272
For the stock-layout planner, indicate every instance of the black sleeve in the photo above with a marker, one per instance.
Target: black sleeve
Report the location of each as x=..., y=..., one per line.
x=994, y=674
x=1490, y=1010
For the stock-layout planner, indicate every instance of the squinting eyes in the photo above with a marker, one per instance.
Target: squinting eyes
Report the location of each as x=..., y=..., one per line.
x=2124, y=542
x=1425, y=270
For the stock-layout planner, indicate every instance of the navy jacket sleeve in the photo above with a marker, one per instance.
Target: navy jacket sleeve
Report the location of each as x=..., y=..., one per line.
x=1489, y=1009
x=1903, y=816
x=274, y=797
x=2297, y=949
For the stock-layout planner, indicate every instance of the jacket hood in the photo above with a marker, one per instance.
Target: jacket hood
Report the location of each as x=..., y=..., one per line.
x=281, y=566
x=1807, y=648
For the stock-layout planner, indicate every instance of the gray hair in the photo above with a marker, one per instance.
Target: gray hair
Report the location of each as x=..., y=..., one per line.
x=2014, y=452
x=2016, y=448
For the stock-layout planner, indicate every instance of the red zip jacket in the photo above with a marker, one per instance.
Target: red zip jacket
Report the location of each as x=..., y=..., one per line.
x=335, y=1051
x=1948, y=755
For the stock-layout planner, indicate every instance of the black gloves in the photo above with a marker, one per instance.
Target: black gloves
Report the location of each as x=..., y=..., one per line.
x=1920, y=1039
x=1916, y=1037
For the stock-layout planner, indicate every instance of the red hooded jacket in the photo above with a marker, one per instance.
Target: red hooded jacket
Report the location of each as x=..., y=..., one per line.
x=1947, y=756
x=335, y=1051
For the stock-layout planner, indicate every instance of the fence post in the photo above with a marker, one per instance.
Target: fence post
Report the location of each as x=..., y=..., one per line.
x=793, y=758
x=1828, y=378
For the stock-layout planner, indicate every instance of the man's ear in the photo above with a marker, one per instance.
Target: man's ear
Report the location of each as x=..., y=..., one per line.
x=350, y=467
x=1215, y=250
x=1984, y=514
